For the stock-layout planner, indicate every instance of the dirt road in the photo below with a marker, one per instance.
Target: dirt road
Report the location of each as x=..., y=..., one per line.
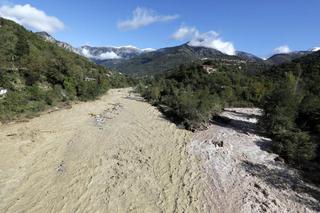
x=118, y=154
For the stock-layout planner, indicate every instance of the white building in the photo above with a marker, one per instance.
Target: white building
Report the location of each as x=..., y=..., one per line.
x=3, y=91
x=209, y=69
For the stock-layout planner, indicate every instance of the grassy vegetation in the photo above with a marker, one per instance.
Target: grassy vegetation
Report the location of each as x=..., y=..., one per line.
x=39, y=74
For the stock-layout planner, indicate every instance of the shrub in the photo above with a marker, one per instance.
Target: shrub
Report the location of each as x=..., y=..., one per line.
x=295, y=147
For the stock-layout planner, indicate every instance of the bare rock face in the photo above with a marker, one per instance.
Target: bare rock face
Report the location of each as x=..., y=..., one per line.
x=47, y=37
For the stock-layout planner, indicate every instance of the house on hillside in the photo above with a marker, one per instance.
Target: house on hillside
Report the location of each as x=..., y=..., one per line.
x=3, y=91
x=209, y=69
x=89, y=79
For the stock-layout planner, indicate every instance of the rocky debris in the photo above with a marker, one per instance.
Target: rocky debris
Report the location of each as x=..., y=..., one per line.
x=279, y=159
x=100, y=120
x=12, y=134
x=61, y=168
x=242, y=177
x=110, y=113
x=147, y=165
x=215, y=143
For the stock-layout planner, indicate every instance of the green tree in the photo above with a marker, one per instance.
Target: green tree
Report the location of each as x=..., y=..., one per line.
x=22, y=46
x=280, y=108
x=295, y=147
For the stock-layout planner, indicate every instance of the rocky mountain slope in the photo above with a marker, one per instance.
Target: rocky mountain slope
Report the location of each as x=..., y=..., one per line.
x=99, y=53
x=47, y=37
x=166, y=59
x=249, y=57
x=105, y=53
x=282, y=58
x=132, y=60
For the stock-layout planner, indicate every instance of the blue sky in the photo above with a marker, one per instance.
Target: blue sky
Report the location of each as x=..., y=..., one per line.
x=249, y=25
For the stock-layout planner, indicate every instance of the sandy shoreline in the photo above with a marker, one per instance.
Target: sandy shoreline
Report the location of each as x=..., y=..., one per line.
x=118, y=154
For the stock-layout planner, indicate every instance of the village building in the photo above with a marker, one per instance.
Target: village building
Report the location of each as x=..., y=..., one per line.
x=3, y=91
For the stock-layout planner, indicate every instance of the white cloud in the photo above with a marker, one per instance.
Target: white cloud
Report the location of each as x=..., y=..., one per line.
x=126, y=46
x=108, y=55
x=85, y=52
x=185, y=32
x=31, y=17
x=142, y=17
x=209, y=39
x=282, y=49
x=103, y=56
x=149, y=49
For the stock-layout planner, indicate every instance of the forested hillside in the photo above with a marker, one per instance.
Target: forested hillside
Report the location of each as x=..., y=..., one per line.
x=192, y=94
x=289, y=95
x=283, y=58
x=292, y=113
x=35, y=74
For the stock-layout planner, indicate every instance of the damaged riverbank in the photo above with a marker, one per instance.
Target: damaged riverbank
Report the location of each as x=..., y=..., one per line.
x=119, y=154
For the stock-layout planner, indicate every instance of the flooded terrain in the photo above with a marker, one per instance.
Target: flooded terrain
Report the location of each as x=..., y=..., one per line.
x=119, y=154
x=242, y=176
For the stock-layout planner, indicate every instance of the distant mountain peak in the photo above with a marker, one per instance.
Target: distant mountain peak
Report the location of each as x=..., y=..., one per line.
x=99, y=53
x=315, y=49
x=112, y=52
x=149, y=49
x=43, y=33
x=115, y=55
x=248, y=56
x=282, y=58
x=47, y=37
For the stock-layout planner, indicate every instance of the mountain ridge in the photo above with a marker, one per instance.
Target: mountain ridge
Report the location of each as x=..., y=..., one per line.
x=168, y=58
x=132, y=60
x=98, y=53
x=282, y=58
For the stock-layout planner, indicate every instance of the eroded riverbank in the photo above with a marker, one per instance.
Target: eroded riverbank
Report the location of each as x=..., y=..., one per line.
x=119, y=154
x=242, y=176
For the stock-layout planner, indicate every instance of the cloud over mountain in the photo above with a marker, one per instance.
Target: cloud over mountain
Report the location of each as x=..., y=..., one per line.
x=31, y=17
x=103, y=56
x=210, y=39
x=185, y=32
x=282, y=49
